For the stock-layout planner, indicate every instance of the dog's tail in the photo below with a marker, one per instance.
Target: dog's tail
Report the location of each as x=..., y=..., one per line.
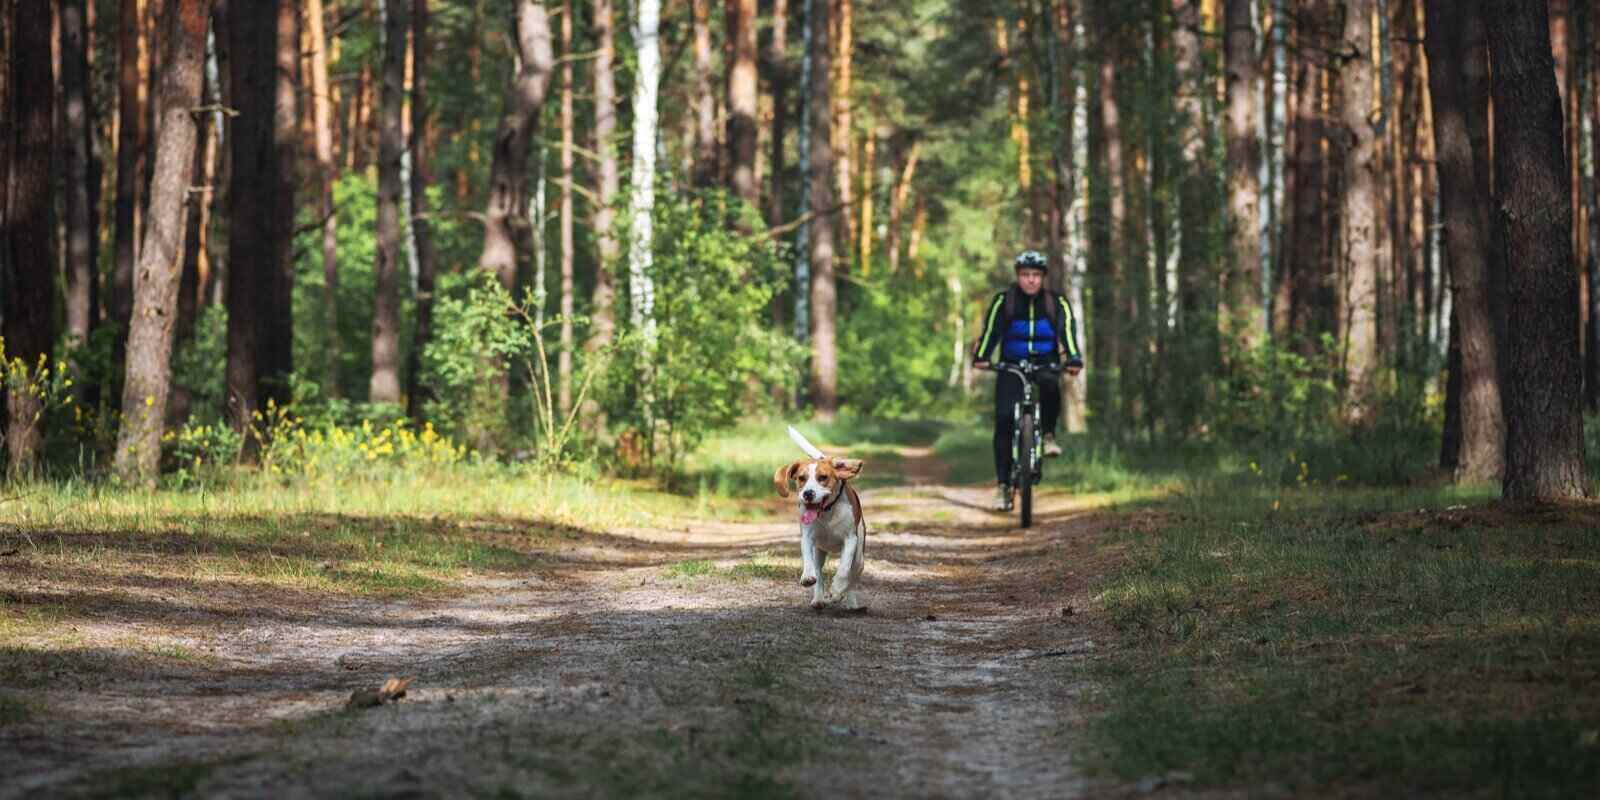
x=809, y=448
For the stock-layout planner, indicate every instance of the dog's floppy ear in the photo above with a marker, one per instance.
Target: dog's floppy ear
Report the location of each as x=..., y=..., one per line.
x=847, y=468
x=784, y=476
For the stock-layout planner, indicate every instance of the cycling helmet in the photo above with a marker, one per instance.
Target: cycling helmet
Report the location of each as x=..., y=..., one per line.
x=1033, y=259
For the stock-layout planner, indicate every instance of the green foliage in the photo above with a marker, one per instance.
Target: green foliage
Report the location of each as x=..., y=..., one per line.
x=1274, y=395
x=897, y=366
x=192, y=452
x=200, y=364
x=292, y=449
x=714, y=359
x=466, y=361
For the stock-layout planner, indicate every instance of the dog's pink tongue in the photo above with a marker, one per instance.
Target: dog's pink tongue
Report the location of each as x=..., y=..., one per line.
x=808, y=516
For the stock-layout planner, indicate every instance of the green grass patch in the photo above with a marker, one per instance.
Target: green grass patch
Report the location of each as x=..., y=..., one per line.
x=739, y=463
x=15, y=710
x=761, y=567
x=1418, y=641
x=178, y=779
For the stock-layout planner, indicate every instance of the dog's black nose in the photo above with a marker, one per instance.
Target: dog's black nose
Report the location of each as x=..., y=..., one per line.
x=808, y=494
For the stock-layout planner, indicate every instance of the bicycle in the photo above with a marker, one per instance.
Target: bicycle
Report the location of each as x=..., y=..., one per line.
x=1026, y=445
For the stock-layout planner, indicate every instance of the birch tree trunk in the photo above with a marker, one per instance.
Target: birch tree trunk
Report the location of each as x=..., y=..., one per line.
x=155, y=281
x=384, y=386
x=802, y=235
x=824, y=359
x=1360, y=214
x=641, y=292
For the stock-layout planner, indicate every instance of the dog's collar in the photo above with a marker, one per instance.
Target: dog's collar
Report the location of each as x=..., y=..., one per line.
x=843, y=490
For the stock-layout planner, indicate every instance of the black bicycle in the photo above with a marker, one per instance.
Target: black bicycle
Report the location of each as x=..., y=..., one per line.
x=1027, y=452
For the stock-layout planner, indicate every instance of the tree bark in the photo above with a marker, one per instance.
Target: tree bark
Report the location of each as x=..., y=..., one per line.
x=252, y=248
x=742, y=100
x=1544, y=404
x=276, y=339
x=869, y=154
x=778, y=70
x=1243, y=281
x=1360, y=214
x=131, y=140
x=384, y=386
x=80, y=237
x=155, y=281
x=1480, y=454
x=508, y=171
x=327, y=173
x=641, y=236
x=568, y=245
x=897, y=204
x=421, y=216
x=603, y=298
x=824, y=360
x=27, y=236
x=705, y=103
x=842, y=44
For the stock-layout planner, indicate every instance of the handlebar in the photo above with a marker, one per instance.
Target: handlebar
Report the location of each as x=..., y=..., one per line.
x=1023, y=369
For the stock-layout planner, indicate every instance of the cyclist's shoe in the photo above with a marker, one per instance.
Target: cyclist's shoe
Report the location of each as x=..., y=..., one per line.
x=1002, y=501
x=1051, y=449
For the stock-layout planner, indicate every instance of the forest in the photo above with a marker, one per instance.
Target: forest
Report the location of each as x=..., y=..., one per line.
x=454, y=341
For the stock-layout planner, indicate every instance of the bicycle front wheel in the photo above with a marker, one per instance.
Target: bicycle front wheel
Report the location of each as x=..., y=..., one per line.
x=1025, y=446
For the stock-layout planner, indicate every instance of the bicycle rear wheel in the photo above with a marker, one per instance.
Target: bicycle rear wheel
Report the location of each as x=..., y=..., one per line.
x=1025, y=447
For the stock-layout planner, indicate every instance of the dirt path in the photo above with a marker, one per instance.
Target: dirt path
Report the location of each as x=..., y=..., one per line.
x=645, y=662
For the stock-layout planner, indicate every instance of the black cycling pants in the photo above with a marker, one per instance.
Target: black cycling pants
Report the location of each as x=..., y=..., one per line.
x=1007, y=393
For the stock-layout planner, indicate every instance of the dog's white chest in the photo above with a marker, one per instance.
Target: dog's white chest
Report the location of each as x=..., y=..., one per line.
x=830, y=530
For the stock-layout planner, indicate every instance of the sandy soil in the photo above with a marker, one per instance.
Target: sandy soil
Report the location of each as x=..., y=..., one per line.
x=606, y=672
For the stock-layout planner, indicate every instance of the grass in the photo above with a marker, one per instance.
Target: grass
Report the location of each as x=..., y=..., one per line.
x=762, y=566
x=1356, y=640
x=739, y=463
x=15, y=709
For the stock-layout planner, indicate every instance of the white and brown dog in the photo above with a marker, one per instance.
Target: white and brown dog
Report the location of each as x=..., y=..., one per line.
x=830, y=522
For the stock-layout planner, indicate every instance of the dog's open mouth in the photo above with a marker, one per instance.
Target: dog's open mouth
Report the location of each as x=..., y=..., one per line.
x=809, y=512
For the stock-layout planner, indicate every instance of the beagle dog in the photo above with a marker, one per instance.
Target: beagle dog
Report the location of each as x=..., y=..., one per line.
x=830, y=522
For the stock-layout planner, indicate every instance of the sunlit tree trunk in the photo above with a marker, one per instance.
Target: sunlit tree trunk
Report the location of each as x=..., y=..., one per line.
x=519, y=125
x=705, y=101
x=27, y=237
x=641, y=291
x=421, y=219
x=742, y=100
x=1360, y=214
x=196, y=232
x=1466, y=233
x=384, y=386
x=824, y=363
x=778, y=68
x=155, y=281
x=1543, y=404
x=1243, y=280
x=327, y=173
x=897, y=203
x=568, y=243
x=869, y=154
x=842, y=43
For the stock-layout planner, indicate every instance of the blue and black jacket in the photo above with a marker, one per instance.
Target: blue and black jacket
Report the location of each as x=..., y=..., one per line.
x=1023, y=327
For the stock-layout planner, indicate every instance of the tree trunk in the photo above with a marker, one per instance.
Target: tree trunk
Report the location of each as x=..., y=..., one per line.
x=843, y=48
x=253, y=179
x=705, y=103
x=1544, y=404
x=778, y=69
x=195, y=263
x=327, y=173
x=802, y=235
x=641, y=238
x=1107, y=226
x=77, y=134
x=869, y=153
x=155, y=282
x=27, y=238
x=742, y=100
x=385, y=383
x=421, y=220
x=824, y=363
x=568, y=245
x=519, y=124
x=603, y=300
x=897, y=204
x=1591, y=370
x=1480, y=453
x=130, y=166
x=1243, y=281
x=276, y=339
x=1360, y=214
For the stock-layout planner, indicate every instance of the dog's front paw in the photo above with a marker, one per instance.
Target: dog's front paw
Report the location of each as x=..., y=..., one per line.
x=819, y=603
x=808, y=580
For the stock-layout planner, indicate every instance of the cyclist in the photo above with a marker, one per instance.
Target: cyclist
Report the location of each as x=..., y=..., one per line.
x=1028, y=323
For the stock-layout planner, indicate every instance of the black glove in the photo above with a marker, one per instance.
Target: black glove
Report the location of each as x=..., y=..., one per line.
x=1074, y=363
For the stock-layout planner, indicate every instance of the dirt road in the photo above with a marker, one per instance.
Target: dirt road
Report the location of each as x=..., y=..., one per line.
x=652, y=662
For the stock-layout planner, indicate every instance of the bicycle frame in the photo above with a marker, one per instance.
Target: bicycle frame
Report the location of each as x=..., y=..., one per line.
x=1028, y=373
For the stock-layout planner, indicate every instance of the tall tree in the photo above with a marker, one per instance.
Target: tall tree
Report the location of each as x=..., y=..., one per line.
x=1543, y=400
x=519, y=125
x=385, y=383
x=824, y=292
x=641, y=236
x=253, y=168
x=27, y=233
x=130, y=162
x=80, y=239
x=155, y=282
x=777, y=70
x=1243, y=281
x=1360, y=212
x=276, y=338
x=326, y=174
x=603, y=298
x=1466, y=233
x=705, y=102
x=842, y=48
x=421, y=222
x=742, y=99
x=568, y=242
